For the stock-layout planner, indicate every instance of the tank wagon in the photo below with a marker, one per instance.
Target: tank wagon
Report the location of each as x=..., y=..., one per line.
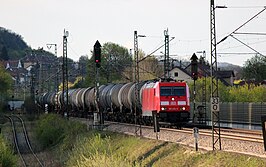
x=168, y=100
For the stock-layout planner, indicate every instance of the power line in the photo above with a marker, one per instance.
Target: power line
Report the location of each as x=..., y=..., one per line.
x=155, y=50
x=249, y=33
x=246, y=45
x=241, y=26
x=245, y=7
x=242, y=45
x=236, y=53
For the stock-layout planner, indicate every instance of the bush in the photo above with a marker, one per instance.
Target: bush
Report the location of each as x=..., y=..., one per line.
x=52, y=129
x=95, y=150
x=6, y=156
x=30, y=105
x=72, y=131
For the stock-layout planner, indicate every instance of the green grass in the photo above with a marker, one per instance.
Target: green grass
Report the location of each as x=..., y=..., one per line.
x=107, y=149
x=7, y=159
x=77, y=147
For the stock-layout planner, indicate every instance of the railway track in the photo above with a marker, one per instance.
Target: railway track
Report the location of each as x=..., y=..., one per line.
x=233, y=140
x=22, y=143
x=233, y=134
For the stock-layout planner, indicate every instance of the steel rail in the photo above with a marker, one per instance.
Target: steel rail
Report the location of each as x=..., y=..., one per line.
x=15, y=140
x=28, y=141
x=203, y=132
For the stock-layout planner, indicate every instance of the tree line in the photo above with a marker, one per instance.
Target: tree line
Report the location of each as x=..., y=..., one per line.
x=245, y=93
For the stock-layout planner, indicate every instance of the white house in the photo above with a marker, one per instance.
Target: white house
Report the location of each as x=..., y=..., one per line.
x=178, y=73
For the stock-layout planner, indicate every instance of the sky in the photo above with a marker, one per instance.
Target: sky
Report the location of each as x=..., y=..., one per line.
x=42, y=22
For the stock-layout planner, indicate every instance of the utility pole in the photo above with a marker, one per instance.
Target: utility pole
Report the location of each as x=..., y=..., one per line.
x=65, y=74
x=33, y=82
x=166, y=55
x=131, y=66
x=204, y=94
x=215, y=117
x=56, y=82
x=56, y=64
x=137, y=102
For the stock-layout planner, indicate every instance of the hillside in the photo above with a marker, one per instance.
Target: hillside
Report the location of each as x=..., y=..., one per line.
x=12, y=45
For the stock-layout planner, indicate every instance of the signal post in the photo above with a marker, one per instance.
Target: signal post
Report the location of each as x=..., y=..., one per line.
x=194, y=74
x=98, y=115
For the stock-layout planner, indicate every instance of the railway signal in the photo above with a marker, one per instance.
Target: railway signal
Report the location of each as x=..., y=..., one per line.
x=98, y=114
x=194, y=66
x=194, y=74
x=97, y=53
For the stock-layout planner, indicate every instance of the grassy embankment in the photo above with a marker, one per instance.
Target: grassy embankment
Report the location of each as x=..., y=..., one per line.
x=74, y=146
x=7, y=158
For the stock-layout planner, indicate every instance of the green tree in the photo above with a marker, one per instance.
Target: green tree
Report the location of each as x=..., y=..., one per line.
x=222, y=89
x=149, y=68
x=81, y=74
x=247, y=93
x=114, y=61
x=5, y=85
x=255, y=68
x=5, y=80
x=4, y=54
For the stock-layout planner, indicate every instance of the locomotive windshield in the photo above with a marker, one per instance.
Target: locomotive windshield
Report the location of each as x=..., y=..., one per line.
x=173, y=91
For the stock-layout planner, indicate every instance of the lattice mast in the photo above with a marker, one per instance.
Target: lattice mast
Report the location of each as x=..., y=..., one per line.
x=166, y=55
x=215, y=117
x=137, y=102
x=65, y=73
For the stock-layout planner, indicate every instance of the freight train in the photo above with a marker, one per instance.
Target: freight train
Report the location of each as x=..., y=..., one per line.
x=169, y=100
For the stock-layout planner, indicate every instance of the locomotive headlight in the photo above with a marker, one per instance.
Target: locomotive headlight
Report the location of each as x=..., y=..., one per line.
x=184, y=108
x=173, y=98
x=163, y=108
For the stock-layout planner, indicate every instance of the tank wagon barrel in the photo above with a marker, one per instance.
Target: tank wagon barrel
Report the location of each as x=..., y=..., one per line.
x=123, y=95
x=81, y=97
x=90, y=96
x=73, y=97
x=114, y=95
x=104, y=98
x=132, y=95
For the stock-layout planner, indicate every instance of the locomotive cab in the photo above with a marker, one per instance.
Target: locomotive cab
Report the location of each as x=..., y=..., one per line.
x=174, y=102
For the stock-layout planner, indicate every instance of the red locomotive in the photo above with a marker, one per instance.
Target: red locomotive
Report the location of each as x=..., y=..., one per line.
x=170, y=100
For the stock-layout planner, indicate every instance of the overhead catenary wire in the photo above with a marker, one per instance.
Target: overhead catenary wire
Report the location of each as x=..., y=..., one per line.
x=249, y=33
x=246, y=45
x=232, y=47
x=155, y=50
x=237, y=53
x=245, y=7
x=241, y=26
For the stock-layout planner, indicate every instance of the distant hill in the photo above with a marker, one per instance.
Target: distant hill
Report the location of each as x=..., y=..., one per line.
x=11, y=44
